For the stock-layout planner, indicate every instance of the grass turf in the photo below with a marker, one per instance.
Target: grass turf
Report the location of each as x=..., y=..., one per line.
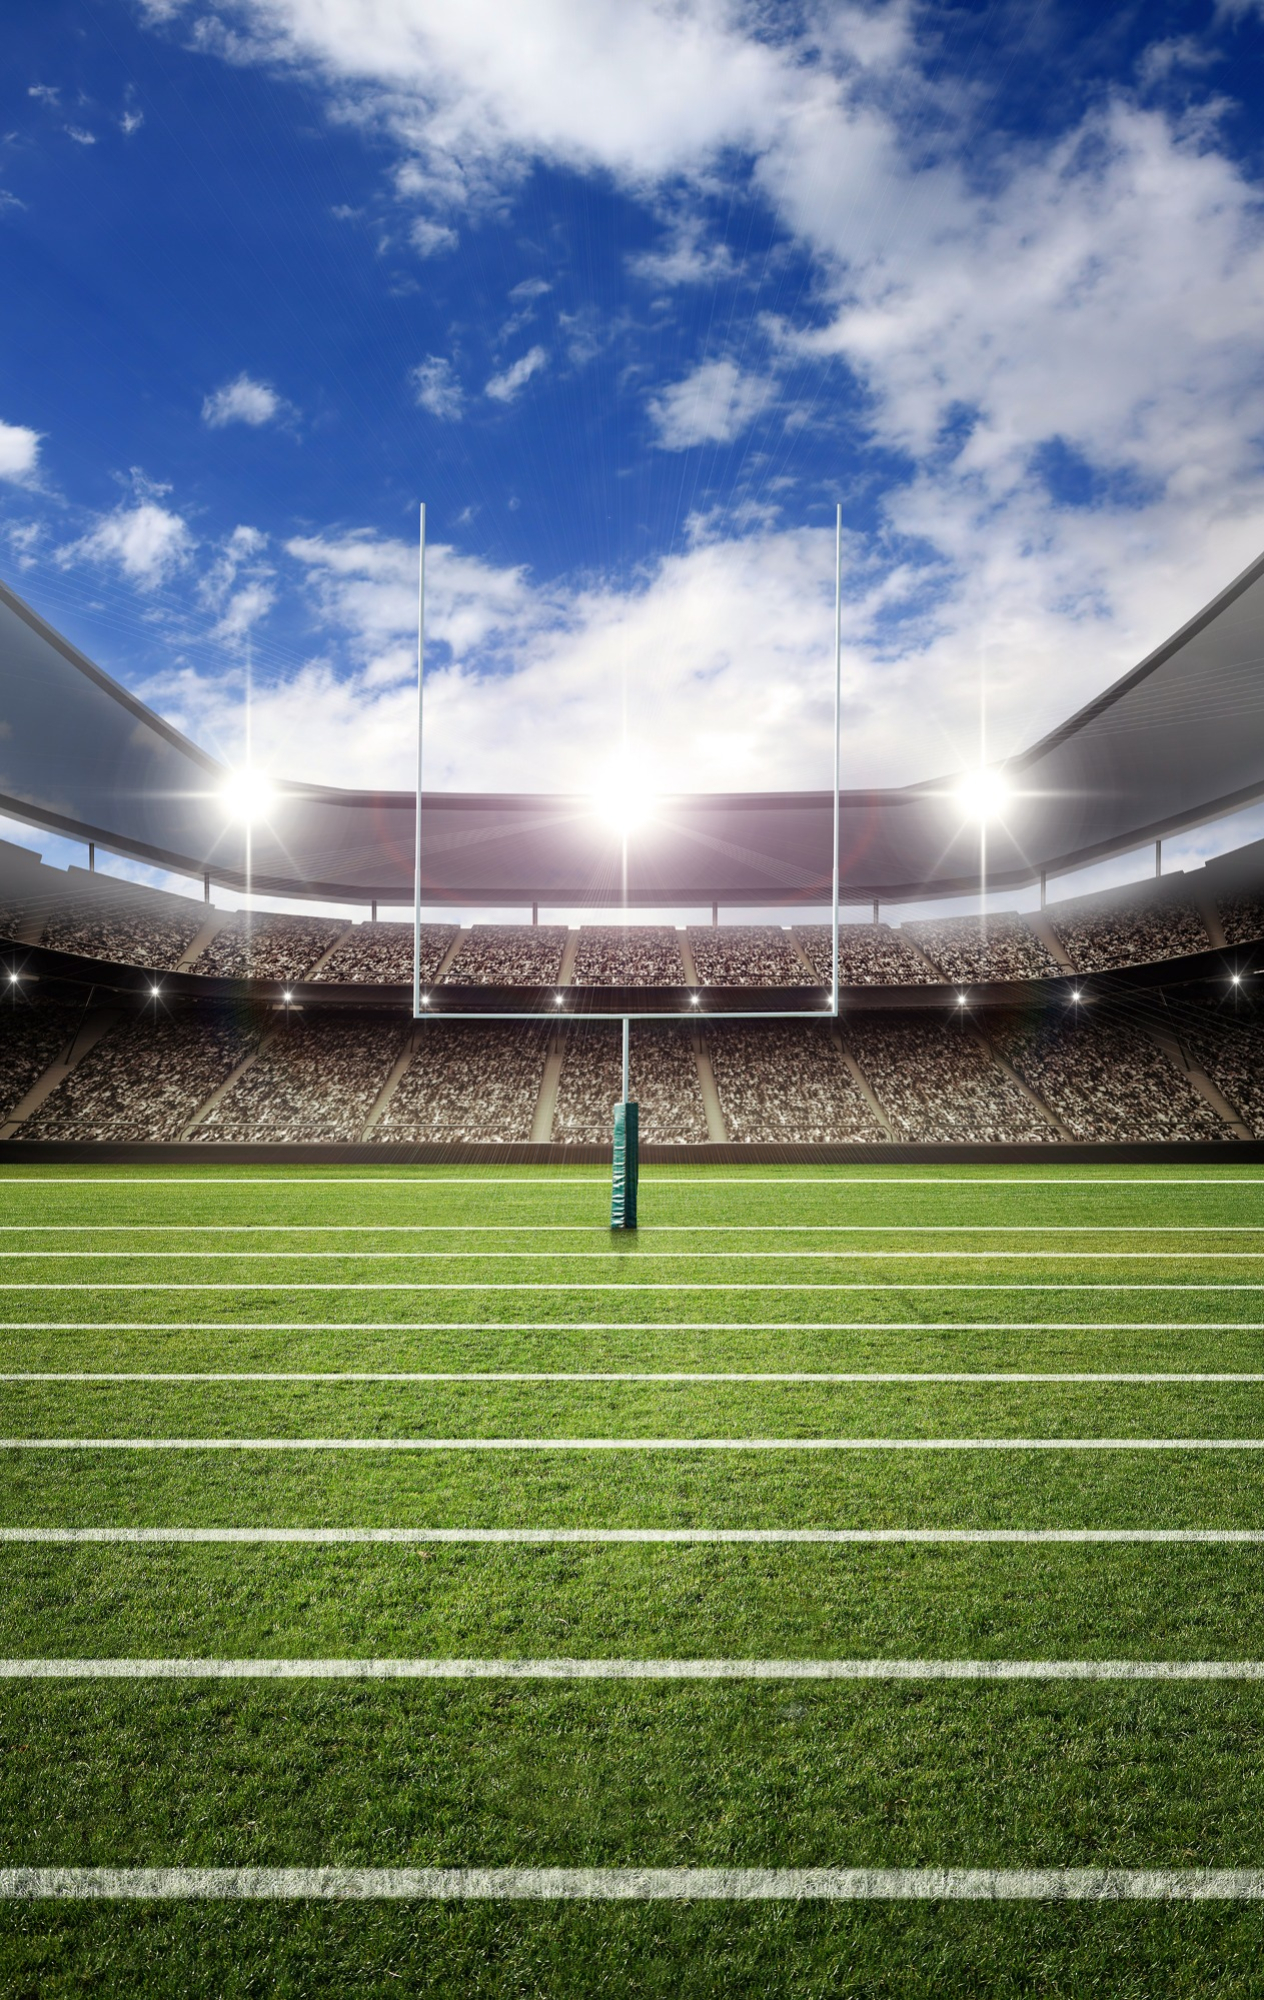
x=636, y=1775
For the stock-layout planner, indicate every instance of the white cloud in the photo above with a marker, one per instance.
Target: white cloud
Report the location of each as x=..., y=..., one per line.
x=145, y=539
x=46, y=93
x=687, y=258
x=714, y=405
x=80, y=137
x=238, y=586
x=131, y=121
x=19, y=451
x=242, y=401
x=504, y=387
x=436, y=387
x=429, y=238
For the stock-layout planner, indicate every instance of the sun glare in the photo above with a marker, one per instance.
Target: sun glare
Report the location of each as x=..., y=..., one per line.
x=983, y=794
x=624, y=795
x=248, y=795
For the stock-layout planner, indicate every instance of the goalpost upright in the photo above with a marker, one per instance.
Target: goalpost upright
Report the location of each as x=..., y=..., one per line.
x=624, y=1181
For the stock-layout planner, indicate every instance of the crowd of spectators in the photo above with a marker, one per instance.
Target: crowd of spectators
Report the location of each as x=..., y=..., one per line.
x=868, y=955
x=1139, y=929
x=382, y=954
x=31, y=1037
x=635, y=955
x=1243, y=918
x=315, y=1081
x=467, y=1081
x=746, y=955
x=968, y=949
x=509, y=955
x=1105, y=1079
x=936, y=1081
x=780, y=1083
x=96, y=926
x=254, y=945
x=1230, y=1047
x=663, y=1081
x=146, y=1077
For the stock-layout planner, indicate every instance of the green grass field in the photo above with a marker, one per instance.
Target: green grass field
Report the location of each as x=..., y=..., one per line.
x=1051, y=1375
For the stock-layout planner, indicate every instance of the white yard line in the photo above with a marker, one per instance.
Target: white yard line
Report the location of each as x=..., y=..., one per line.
x=600, y=1285
x=629, y=1670
x=885, y=1255
x=511, y=1326
x=625, y=1444
x=736, y=1178
x=640, y=1885
x=645, y=1229
x=351, y=1376
x=603, y=1537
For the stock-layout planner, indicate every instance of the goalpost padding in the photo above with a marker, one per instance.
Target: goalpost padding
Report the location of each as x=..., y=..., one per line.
x=623, y=1186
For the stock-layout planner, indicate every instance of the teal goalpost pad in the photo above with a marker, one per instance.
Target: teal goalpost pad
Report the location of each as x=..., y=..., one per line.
x=623, y=1186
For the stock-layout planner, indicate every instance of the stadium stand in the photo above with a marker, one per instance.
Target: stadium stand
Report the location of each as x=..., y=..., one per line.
x=145, y=1079
x=635, y=955
x=382, y=955
x=122, y=923
x=255, y=945
x=469, y=1081
x=509, y=955
x=31, y=1037
x=868, y=955
x=664, y=1082
x=970, y=949
x=785, y=1084
x=746, y=955
x=1232, y=1053
x=935, y=1081
x=1106, y=1080
x=316, y=1081
x=1104, y=932
x=1243, y=918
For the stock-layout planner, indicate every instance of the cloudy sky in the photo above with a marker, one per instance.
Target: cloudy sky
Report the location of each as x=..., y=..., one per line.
x=631, y=294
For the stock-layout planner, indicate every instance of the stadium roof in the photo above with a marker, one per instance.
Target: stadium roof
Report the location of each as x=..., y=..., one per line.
x=1176, y=742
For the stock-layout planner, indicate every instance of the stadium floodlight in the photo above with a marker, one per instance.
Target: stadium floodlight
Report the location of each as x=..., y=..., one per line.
x=287, y=995
x=248, y=795
x=624, y=796
x=695, y=1000
x=559, y=999
x=425, y=999
x=156, y=992
x=982, y=794
x=1076, y=994
x=14, y=977
x=961, y=999
x=1237, y=979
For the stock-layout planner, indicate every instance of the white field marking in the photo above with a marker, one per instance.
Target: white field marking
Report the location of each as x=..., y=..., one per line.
x=603, y=1537
x=639, y=1885
x=630, y=1670
x=885, y=1255
x=627, y=1444
x=595, y=1285
x=511, y=1182
x=351, y=1376
x=646, y=1229
x=512, y=1326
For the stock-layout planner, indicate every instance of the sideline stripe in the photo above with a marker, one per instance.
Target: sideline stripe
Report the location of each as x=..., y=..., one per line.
x=600, y=1285
x=508, y=1180
x=629, y=1444
x=540, y=1537
x=351, y=1376
x=643, y=1885
x=631, y=1670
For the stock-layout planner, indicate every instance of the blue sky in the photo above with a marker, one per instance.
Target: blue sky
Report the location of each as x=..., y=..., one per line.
x=630, y=294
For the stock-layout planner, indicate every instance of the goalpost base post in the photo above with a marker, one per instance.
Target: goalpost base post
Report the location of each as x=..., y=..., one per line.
x=623, y=1186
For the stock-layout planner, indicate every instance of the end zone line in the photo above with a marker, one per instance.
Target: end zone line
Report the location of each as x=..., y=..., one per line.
x=510, y=1182
x=628, y=1670
x=617, y=1537
x=353, y=1376
x=639, y=1885
x=627, y=1444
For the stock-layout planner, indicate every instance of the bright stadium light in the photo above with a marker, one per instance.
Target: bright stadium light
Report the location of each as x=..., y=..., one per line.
x=624, y=796
x=982, y=794
x=248, y=795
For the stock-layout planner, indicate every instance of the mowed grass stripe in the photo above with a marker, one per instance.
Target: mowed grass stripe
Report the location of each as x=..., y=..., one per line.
x=637, y=1885
x=1167, y=1487
x=636, y=1537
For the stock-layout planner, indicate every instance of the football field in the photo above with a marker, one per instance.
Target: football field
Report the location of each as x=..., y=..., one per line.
x=850, y=1583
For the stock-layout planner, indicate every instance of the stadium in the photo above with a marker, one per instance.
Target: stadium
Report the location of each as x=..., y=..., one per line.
x=628, y=1371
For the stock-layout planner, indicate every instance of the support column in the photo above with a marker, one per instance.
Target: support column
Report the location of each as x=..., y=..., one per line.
x=92, y=857
x=373, y=908
x=1158, y=859
x=875, y=909
x=715, y=916
x=206, y=888
x=535, y=913
x=1043, y=886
